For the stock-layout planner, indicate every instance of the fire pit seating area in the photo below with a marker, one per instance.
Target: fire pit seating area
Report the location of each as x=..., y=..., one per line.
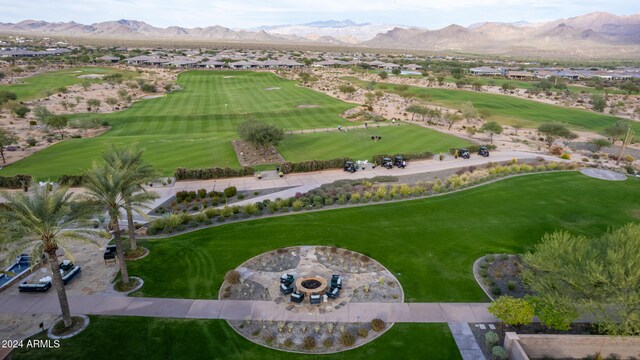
x=315, y=287
x=66, y=265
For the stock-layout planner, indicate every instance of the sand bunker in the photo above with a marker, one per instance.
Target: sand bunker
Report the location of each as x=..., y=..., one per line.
x=273, y=88
x=604, y=174
x=91, y=76
x=152, y=96
x=307, y=106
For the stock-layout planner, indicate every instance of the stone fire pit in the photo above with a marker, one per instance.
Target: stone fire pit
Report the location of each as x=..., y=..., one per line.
x=311, y=285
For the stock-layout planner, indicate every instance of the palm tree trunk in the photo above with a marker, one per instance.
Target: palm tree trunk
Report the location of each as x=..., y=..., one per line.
x=131, y=227
x=124, y=273
x=58, y=285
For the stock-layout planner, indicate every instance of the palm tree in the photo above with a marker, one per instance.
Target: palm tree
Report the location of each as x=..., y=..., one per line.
x=130, y=160
x=47, y=220
x=105, y=184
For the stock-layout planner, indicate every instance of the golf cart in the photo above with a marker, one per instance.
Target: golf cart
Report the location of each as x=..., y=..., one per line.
x=483, y=151
x=387, y=162
x=399, y=162
x=463, y=153
x=350, y=166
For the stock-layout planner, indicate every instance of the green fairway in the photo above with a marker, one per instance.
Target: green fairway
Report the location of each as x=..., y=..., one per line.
x=429, y=244
x=153, y=338
x=42, y=85
x=192, y=127
x=357, y=144
x=511, y=110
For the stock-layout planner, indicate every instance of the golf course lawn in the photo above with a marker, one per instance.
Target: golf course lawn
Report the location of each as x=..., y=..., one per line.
x=429, y=244
x=41, y=85
x=357, y=144
x=152, y=338
x=194, y=127
x=509, y=110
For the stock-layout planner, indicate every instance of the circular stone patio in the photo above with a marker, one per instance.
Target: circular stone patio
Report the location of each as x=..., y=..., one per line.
x=363, y=280
x=604, y=174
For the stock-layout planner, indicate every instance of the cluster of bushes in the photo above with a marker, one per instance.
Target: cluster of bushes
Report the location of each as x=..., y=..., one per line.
x=15, y=182
x=408, y=156
x=71, y=180
x=473, y=148
x=211, y=173
x=313, y=165
x=344, y=192
x=188, y=196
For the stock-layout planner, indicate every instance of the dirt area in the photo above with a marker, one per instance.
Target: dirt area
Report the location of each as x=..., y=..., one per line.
x=249, y=155
x=306, y=106
x=74, y=101
x=499, y=274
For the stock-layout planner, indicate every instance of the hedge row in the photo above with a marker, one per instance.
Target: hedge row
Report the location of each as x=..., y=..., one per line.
x=408, y=156
x=71, y=180
x=313, y=165
x=15, y=182
x=211, y=173
x=473, y=148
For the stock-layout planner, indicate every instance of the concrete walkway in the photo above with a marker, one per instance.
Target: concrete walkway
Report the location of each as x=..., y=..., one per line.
x=243, y=310
x=467, y=344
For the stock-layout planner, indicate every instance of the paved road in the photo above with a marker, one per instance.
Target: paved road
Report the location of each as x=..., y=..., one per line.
x=243, y=310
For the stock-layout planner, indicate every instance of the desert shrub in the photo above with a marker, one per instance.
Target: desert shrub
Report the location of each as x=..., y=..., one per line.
x=378, y=325
x=491, y=339
x=232, y=277
x=250, y=209
x=328, y=342
x=363, y=332
x=226, y=211
x=202, y=193
x=230, y=191
x=556, y=150
x=288, y=343
x=211, y=213
x=269, y=339
x=495, y=290
x=511, y=285
x=148, y=88
x=347, y=339
x=309, y=343
x=565, y=156
x=297, y=205
x=498, y=353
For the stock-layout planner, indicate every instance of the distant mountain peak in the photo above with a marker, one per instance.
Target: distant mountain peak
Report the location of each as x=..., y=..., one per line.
x=334, y=23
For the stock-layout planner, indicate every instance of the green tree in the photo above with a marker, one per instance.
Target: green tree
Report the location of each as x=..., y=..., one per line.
x=260, y=135
x=20, y=110
x=468, y=111
x=6, y=96
x=553, y=131
x=47, y=221
x=136, y=197
x=452, y=118
x=477, y=85
x=506, y=87
x=600, y=143
x=617, y=130
x=630, y=87
x=6, y=139
x=58, y=123
x=512, y=311
x=105, y=185
x=440, y=79
x=417, y=109
x=598, y=102
x=42, y=113
x=396, y=72
x=574, y=274
x=491, y=127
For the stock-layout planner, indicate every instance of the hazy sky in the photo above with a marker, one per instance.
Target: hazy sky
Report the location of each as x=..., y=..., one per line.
x=251, y=13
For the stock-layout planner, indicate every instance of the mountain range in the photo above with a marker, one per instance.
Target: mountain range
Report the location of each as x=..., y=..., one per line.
x=590, y=34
